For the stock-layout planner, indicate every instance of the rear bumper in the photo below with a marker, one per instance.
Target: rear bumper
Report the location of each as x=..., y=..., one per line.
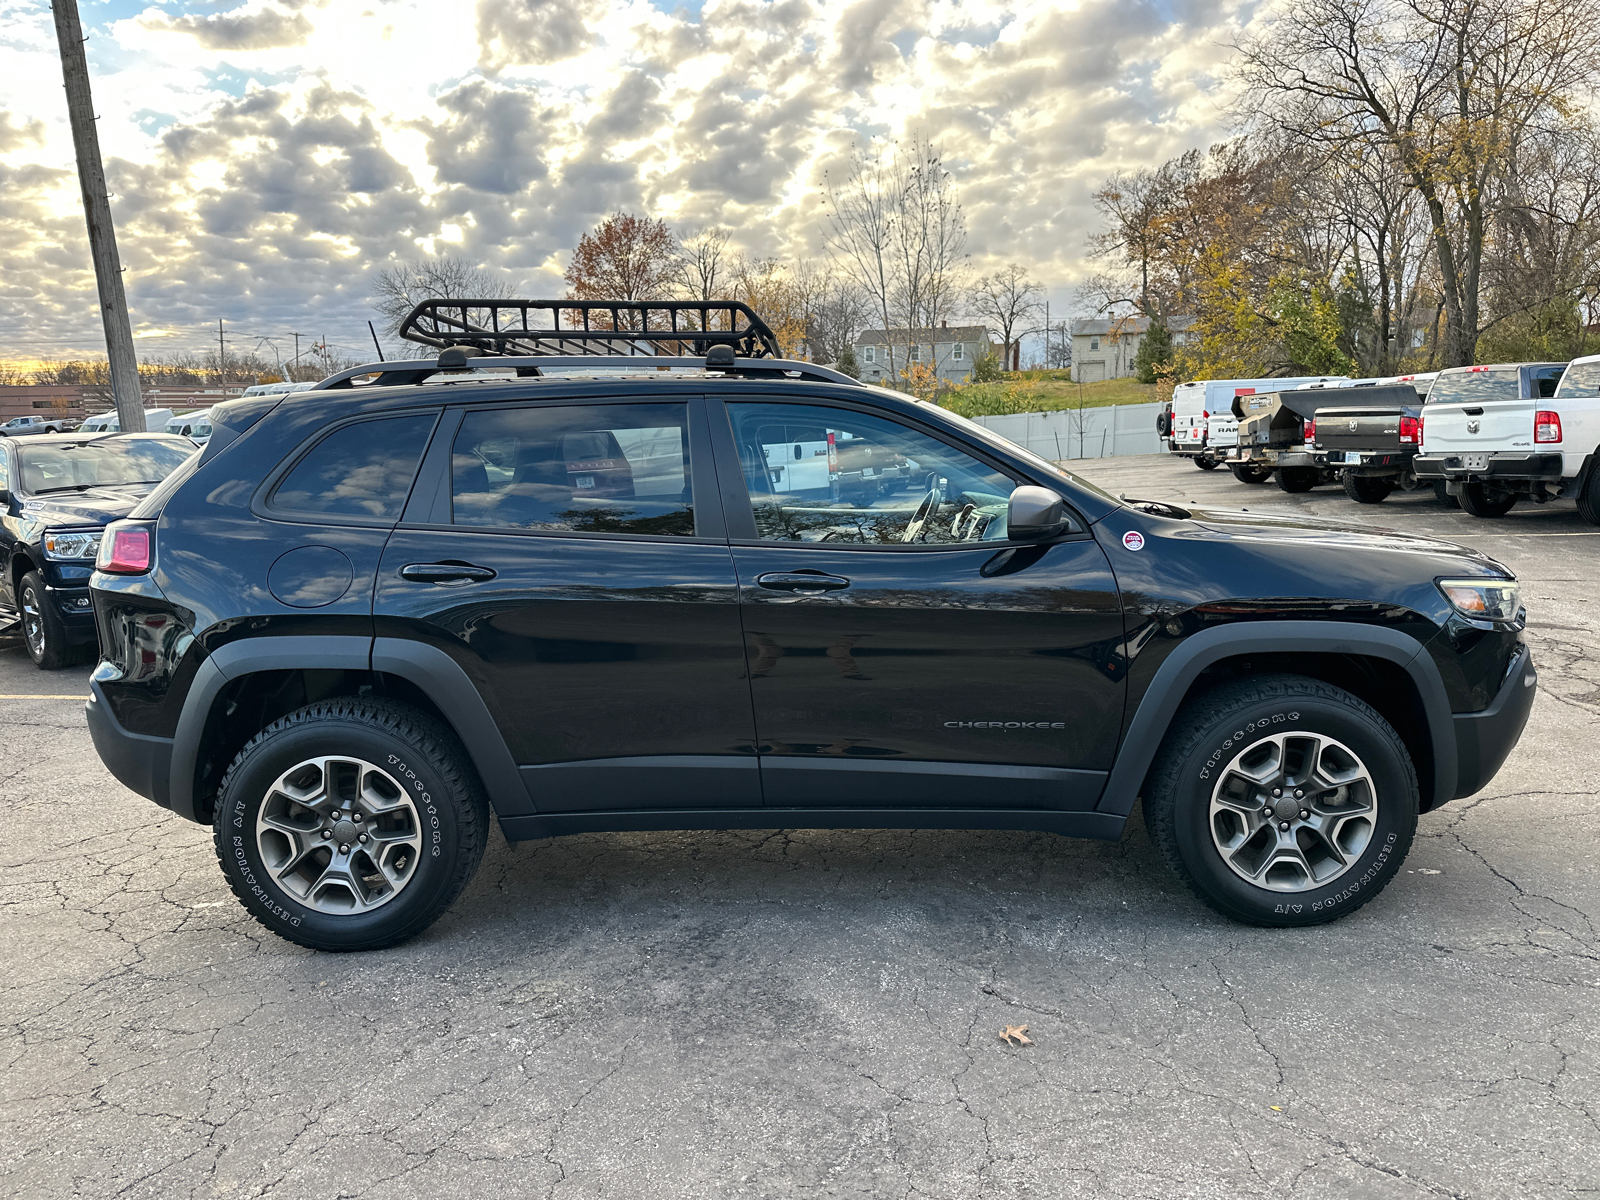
x=1485, y=739
x=1379, y=462
x=1500, y=465
x=141, y=763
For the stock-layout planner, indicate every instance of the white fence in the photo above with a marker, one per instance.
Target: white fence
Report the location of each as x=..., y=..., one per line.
x=1092, y=433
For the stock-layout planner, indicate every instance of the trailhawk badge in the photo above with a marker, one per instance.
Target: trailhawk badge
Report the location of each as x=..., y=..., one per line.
x=1133, y=540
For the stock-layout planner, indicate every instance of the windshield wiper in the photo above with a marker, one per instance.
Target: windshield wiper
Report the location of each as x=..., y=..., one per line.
x=1159, y=508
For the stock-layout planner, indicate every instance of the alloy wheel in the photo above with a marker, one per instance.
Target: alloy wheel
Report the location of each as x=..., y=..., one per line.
x=32, y=623
x=340, y=835
x=1293, y=811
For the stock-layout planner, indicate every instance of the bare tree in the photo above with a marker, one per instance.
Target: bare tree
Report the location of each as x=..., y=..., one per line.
x=704, y=263
x=1009, y=301
x=1450, y=88
x=397, y=290
x=897, y=229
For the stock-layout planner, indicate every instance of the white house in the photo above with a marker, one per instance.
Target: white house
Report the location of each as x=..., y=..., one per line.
x=1106, y=349
x=951, y=351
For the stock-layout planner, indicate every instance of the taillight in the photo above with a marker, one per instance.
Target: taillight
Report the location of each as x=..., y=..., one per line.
x=125, y=549
x=1311, y=430
x=1546, y=426
x=1411, y=431
x=1205, y=416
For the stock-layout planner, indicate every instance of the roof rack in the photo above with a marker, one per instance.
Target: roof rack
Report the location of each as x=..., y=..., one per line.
x=466, y=358
x=629, y=328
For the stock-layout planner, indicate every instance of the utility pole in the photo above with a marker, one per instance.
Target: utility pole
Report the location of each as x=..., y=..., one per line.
x=97, y=212
x=222, y=360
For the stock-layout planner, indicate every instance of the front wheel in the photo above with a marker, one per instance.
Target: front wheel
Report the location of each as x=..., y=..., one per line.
x=1365, y=489
x=1282, y=800
x=350, y=824
x=43, y=631
x=1477, y=499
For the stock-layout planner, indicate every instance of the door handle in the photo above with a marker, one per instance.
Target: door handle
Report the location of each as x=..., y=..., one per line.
x=807, y=583
x=445, y=572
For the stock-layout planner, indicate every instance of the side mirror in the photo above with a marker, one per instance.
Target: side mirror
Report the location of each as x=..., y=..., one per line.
x=1035, y=513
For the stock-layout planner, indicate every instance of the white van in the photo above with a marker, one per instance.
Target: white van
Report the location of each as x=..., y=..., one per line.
x=196, y=426
x=155, y=419
x=274, y=389
x=1200, y=421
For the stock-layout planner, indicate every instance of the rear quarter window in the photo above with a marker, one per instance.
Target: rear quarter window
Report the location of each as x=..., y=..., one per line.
x=361, y=471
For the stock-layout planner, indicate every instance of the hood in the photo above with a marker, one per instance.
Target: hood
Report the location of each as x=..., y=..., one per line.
x=92, y=506
x=1337, y=535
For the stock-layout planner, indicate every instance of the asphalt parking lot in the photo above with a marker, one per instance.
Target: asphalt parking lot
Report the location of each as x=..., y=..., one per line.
x=817, y=1013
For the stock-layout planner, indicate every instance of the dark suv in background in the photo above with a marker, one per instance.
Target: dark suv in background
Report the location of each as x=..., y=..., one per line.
x=57, y=493
x=578, y=592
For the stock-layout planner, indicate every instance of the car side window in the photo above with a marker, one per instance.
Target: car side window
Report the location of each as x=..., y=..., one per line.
x=362, y=470
x=819, y=474
x=579, y=468
x=5, y=471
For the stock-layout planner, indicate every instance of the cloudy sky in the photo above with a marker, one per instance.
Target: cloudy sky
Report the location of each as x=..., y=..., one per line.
x=266, y=156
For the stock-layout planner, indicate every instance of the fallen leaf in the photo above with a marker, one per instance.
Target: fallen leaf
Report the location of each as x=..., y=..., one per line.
x=1016, y=1035
x=1274, y=1108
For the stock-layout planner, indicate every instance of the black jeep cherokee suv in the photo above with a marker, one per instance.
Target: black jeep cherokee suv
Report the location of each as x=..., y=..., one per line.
x=363, y=617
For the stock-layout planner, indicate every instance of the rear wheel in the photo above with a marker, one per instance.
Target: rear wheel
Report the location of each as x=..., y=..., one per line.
x=1282, y=800
x=1365, y=489
x=1297, y=479
x=1206, y=463
x=1247, y=473
x=1441, y=493
x=1479, y=500
x=350, y=824
x=1589, y=499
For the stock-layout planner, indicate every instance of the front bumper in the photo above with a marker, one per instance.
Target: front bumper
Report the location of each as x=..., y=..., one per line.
x=1540, y=467
x=1484, y=740
x=141, y=763
x=76, y=609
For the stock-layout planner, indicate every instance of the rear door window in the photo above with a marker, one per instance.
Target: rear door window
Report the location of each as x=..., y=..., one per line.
x=579, y=468
x=361, y=471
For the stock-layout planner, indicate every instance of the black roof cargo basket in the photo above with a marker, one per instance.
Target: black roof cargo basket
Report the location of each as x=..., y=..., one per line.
x=628, y=328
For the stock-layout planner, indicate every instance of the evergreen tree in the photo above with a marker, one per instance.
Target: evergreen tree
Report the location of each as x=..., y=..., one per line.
x=1155, y=353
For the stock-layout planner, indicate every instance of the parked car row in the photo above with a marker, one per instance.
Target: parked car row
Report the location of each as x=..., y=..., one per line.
x=1483, y=437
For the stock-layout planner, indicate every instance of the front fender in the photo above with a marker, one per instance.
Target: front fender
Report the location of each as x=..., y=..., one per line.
x=1183, y=666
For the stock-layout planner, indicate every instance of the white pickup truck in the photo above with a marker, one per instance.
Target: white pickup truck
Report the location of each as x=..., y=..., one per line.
x=1199, y=421
x=1495, y=434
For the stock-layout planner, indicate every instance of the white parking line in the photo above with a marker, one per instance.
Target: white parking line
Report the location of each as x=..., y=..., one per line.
x=41, y=696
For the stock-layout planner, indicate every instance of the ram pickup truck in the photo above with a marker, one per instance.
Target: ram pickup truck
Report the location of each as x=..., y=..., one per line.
x=1371, y=441
x=22, y=426
x=1487, y=434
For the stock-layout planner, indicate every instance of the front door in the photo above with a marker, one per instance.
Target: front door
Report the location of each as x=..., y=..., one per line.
x=902, y=653
x=570, y=558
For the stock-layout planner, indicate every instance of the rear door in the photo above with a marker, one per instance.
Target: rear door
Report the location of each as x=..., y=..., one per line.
x=570, y=556
x=901, y=652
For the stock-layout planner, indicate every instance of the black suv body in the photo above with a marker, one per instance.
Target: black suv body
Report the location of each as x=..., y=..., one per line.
x=57, y=493
x=377, y=612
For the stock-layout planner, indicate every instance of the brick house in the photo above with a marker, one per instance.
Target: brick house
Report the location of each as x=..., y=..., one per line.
x=950, y=350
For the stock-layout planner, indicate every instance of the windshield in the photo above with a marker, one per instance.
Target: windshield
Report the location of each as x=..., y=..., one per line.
x=1496, y=383
x=68, y=466
x=1580, y=379
x=1043, y=465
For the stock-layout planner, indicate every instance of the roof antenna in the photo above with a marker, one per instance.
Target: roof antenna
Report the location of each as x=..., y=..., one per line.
x=374, y=333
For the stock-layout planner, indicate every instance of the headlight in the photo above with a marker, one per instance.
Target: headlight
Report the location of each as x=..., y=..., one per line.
x=1485, y=599
x=69, y=547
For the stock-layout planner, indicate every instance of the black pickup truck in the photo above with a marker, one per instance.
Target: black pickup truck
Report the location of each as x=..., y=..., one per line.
x=1370, y=438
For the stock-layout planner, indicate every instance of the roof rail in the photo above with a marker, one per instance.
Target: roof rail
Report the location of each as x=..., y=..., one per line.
x=628, y=328
x=399, y=372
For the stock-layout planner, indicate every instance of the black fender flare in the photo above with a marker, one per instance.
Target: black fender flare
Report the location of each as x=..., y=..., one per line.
x=1153, y=717
x=429, y=668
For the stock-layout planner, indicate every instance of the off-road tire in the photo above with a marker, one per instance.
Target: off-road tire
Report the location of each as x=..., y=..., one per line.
x=1206, y=463
x=452, y=811
x=1245, y=473
x=1589, y=499
x=1475, y=499
x=1366, y=489
x=50, y=648
x=1441, y=493
x=1215, y=726
x=1297, y=479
